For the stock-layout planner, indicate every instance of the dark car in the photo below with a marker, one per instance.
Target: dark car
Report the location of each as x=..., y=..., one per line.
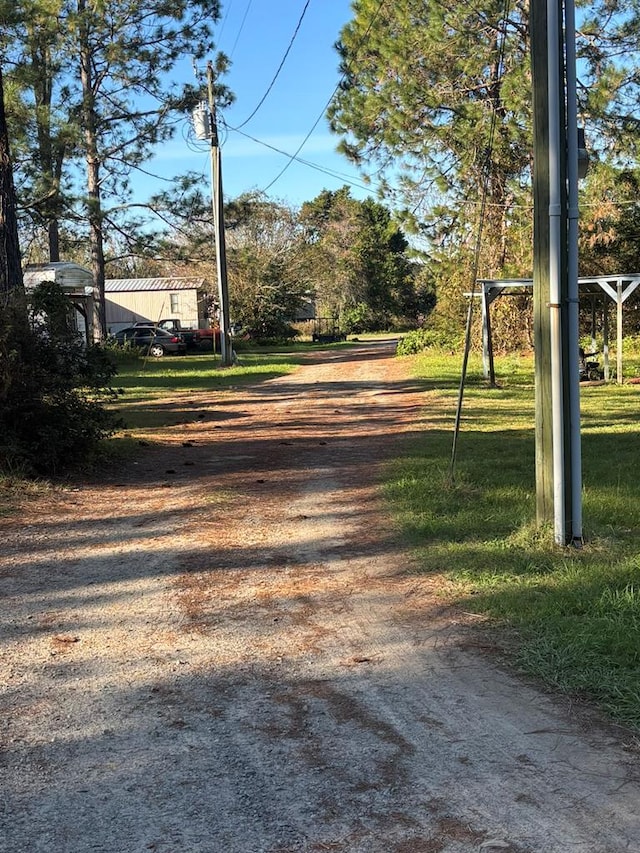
x=152, y=340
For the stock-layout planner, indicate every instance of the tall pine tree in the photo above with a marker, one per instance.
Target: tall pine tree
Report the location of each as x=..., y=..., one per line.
x=437, y=97
x=96, y=82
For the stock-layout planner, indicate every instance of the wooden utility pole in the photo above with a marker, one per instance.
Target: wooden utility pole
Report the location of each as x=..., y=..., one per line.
x=218, y=216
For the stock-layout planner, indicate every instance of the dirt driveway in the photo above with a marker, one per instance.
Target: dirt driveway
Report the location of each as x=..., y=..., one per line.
x=221, y=650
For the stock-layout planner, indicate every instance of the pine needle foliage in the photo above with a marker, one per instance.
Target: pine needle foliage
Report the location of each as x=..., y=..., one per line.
x=53, y=389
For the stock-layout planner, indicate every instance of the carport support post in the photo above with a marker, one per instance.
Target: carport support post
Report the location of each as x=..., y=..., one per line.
x=488, y=368
x=619, y=303
x=605, y=338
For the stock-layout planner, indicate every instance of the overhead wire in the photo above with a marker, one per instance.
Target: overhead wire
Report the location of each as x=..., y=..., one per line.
x=242, y=23
x=279, y=69
x=476, y=255
x=224, y=20
x=349, y=179
x=326, y=106
x=294, y=157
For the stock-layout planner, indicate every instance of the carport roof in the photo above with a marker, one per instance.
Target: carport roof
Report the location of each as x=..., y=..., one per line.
x=586, y=284
x=123, y=285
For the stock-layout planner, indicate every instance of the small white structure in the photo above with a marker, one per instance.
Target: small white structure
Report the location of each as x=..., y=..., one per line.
x=150, y=300
x=78, y=285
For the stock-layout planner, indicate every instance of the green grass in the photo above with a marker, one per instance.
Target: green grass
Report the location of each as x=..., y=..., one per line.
x=146, y=384
x=202, y=371
x=575, y=614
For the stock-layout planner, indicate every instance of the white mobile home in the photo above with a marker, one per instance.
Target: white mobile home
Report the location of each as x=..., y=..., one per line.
x=150, y=300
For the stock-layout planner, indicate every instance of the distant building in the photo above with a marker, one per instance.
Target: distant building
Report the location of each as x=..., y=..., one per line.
x=77, y=284
x=150, y=300
x=306, y=310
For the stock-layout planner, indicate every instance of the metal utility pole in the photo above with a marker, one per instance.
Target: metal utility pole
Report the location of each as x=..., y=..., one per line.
x=574, y=497
x=558, y=453
x=218, y=218
x=542, y=348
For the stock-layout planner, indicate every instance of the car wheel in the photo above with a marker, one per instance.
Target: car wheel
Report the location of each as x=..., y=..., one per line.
x=156, y=350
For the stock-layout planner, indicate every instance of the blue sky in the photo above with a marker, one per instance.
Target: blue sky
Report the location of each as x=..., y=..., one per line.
x=255, y=34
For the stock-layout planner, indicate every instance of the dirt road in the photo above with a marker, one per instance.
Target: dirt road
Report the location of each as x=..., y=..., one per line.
x=221, y=650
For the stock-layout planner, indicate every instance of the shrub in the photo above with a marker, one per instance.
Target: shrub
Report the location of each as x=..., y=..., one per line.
x=126, y=355
x=421, y=339
x=357, y=319
x=52, y=388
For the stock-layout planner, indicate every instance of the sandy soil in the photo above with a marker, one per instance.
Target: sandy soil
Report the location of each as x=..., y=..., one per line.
x=222, y=648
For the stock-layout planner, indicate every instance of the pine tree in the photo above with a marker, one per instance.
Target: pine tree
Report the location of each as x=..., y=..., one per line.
x=422, y=84
x=437, y=97
x=97, y=80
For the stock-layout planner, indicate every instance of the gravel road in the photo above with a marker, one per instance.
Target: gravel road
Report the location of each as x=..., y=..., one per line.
x=222, y=649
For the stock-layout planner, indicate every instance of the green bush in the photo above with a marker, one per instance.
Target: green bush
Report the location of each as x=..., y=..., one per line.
x=630, y=345
x=422, y=339
x=357, y=319
x=126, y=354
x=52, y=388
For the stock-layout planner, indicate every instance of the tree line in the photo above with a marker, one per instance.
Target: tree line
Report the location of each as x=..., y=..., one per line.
x=347, y=258
x=88, y=98
x=434, y=99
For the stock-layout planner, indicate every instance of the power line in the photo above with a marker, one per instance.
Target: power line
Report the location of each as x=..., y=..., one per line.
x=294, y=156
x=326, y=106
x=242, y=23
x=476, y=255
x=224, y=20
x=332, y=173
x=275, y=77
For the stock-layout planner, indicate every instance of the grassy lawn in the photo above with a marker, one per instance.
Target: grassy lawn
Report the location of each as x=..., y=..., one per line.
x=202, y=372
x=147, y=383
x=571, y=617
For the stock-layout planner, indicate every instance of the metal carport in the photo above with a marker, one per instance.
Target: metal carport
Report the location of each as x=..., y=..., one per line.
x=617, y=287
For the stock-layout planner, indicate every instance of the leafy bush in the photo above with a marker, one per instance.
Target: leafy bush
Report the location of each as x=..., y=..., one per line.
x=271, y=334
x=264, y=341
x=52, y=388
x=422, y=339
x=126, y=354
x=630, y=345
x=357, y=319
